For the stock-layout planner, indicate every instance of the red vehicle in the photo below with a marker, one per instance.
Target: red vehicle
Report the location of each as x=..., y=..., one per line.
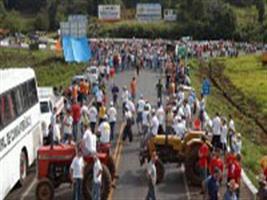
x=53, y=169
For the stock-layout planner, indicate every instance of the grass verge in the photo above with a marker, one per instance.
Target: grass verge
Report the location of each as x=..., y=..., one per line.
x=51, y=70
x=252, y=149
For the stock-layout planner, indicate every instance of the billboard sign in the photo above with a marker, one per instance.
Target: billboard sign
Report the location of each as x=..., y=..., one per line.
x=170, y=15
x=76, y=26
x=148, y=12
x=109, y=12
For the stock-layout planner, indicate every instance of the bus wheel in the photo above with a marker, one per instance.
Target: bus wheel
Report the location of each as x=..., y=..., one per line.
x=44, y=190
x=23, y=167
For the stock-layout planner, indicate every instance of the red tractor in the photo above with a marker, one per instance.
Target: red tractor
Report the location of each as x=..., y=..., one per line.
x=53, y=169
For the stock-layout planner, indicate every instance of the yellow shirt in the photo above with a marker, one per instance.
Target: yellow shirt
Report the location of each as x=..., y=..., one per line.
x=102, y=112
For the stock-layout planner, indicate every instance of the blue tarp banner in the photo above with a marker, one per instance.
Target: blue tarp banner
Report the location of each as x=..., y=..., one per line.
x=81, y=49
x=67, y=49
x=76, y=49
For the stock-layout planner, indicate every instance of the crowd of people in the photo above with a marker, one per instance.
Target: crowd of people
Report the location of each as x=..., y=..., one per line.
x=90, y=115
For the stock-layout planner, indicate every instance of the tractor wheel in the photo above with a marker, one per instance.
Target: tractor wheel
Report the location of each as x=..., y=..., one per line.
x=44, y=190
x=23, y=167
x=111, y=166
x=160, y=171
x=88, y=180
x=191, y=166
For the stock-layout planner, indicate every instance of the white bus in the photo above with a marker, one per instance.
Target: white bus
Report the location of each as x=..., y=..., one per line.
x=20, y=128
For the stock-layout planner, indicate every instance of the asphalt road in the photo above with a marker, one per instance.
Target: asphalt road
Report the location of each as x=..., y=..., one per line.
x=131, y=184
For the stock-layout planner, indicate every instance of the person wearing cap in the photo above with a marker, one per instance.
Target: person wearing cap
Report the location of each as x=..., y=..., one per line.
x=112, y=116
x=104, y=130
x=76, y=174
x=97, y=178
x=140, y=109
x=152, y=176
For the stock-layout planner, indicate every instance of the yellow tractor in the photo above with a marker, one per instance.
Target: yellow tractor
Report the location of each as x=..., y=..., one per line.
x=172, y=149
x=264, y=58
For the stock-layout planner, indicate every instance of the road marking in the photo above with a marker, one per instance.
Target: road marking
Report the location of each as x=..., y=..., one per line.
x=185, y=183
x=117, y=156
x=28, y=190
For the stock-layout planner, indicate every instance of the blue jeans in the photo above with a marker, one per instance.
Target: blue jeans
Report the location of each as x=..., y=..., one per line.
x=77, y=189
x=96, y=191
x=151, y=195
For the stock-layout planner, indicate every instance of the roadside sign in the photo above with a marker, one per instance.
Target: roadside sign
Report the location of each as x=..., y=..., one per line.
x=170, y=15
x=76, y=26
x=206, y=87
x=109, y=12
x=148, y=12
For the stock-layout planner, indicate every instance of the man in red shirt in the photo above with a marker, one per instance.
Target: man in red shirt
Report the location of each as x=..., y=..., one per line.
x=203, y=154
x=133, y=87
x=76, y=115
x=234, y=171
x=216, y=162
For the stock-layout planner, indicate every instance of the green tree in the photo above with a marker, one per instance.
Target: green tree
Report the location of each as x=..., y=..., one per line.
x=41, y=21
x=260, y=5
x=52, y=13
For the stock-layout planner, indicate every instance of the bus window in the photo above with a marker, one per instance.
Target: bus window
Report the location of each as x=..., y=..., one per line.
x=2, y=109
x=11, y=107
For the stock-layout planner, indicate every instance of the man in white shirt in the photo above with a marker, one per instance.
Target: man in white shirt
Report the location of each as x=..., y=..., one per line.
x=224, y=132
x=67, y=125
x=76, y=174
x=179, y=127
x=161, y=118
x=99, y=98
x=154, y=123
x=140, y=109
x=104, y=130
x=88, y=142
x=97, y=179
x=112, y=115
x=216, y=131
x=231, y=130
x=124, y=97
x=93, y=115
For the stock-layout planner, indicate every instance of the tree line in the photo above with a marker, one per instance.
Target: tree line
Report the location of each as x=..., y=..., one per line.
x=203, y=19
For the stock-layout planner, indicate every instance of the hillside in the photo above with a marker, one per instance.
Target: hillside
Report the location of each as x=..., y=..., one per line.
x=203, y=19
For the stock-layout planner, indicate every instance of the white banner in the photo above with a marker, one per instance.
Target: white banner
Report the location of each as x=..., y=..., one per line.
x=148, y=12
x=170, y=15
x=109, y=12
